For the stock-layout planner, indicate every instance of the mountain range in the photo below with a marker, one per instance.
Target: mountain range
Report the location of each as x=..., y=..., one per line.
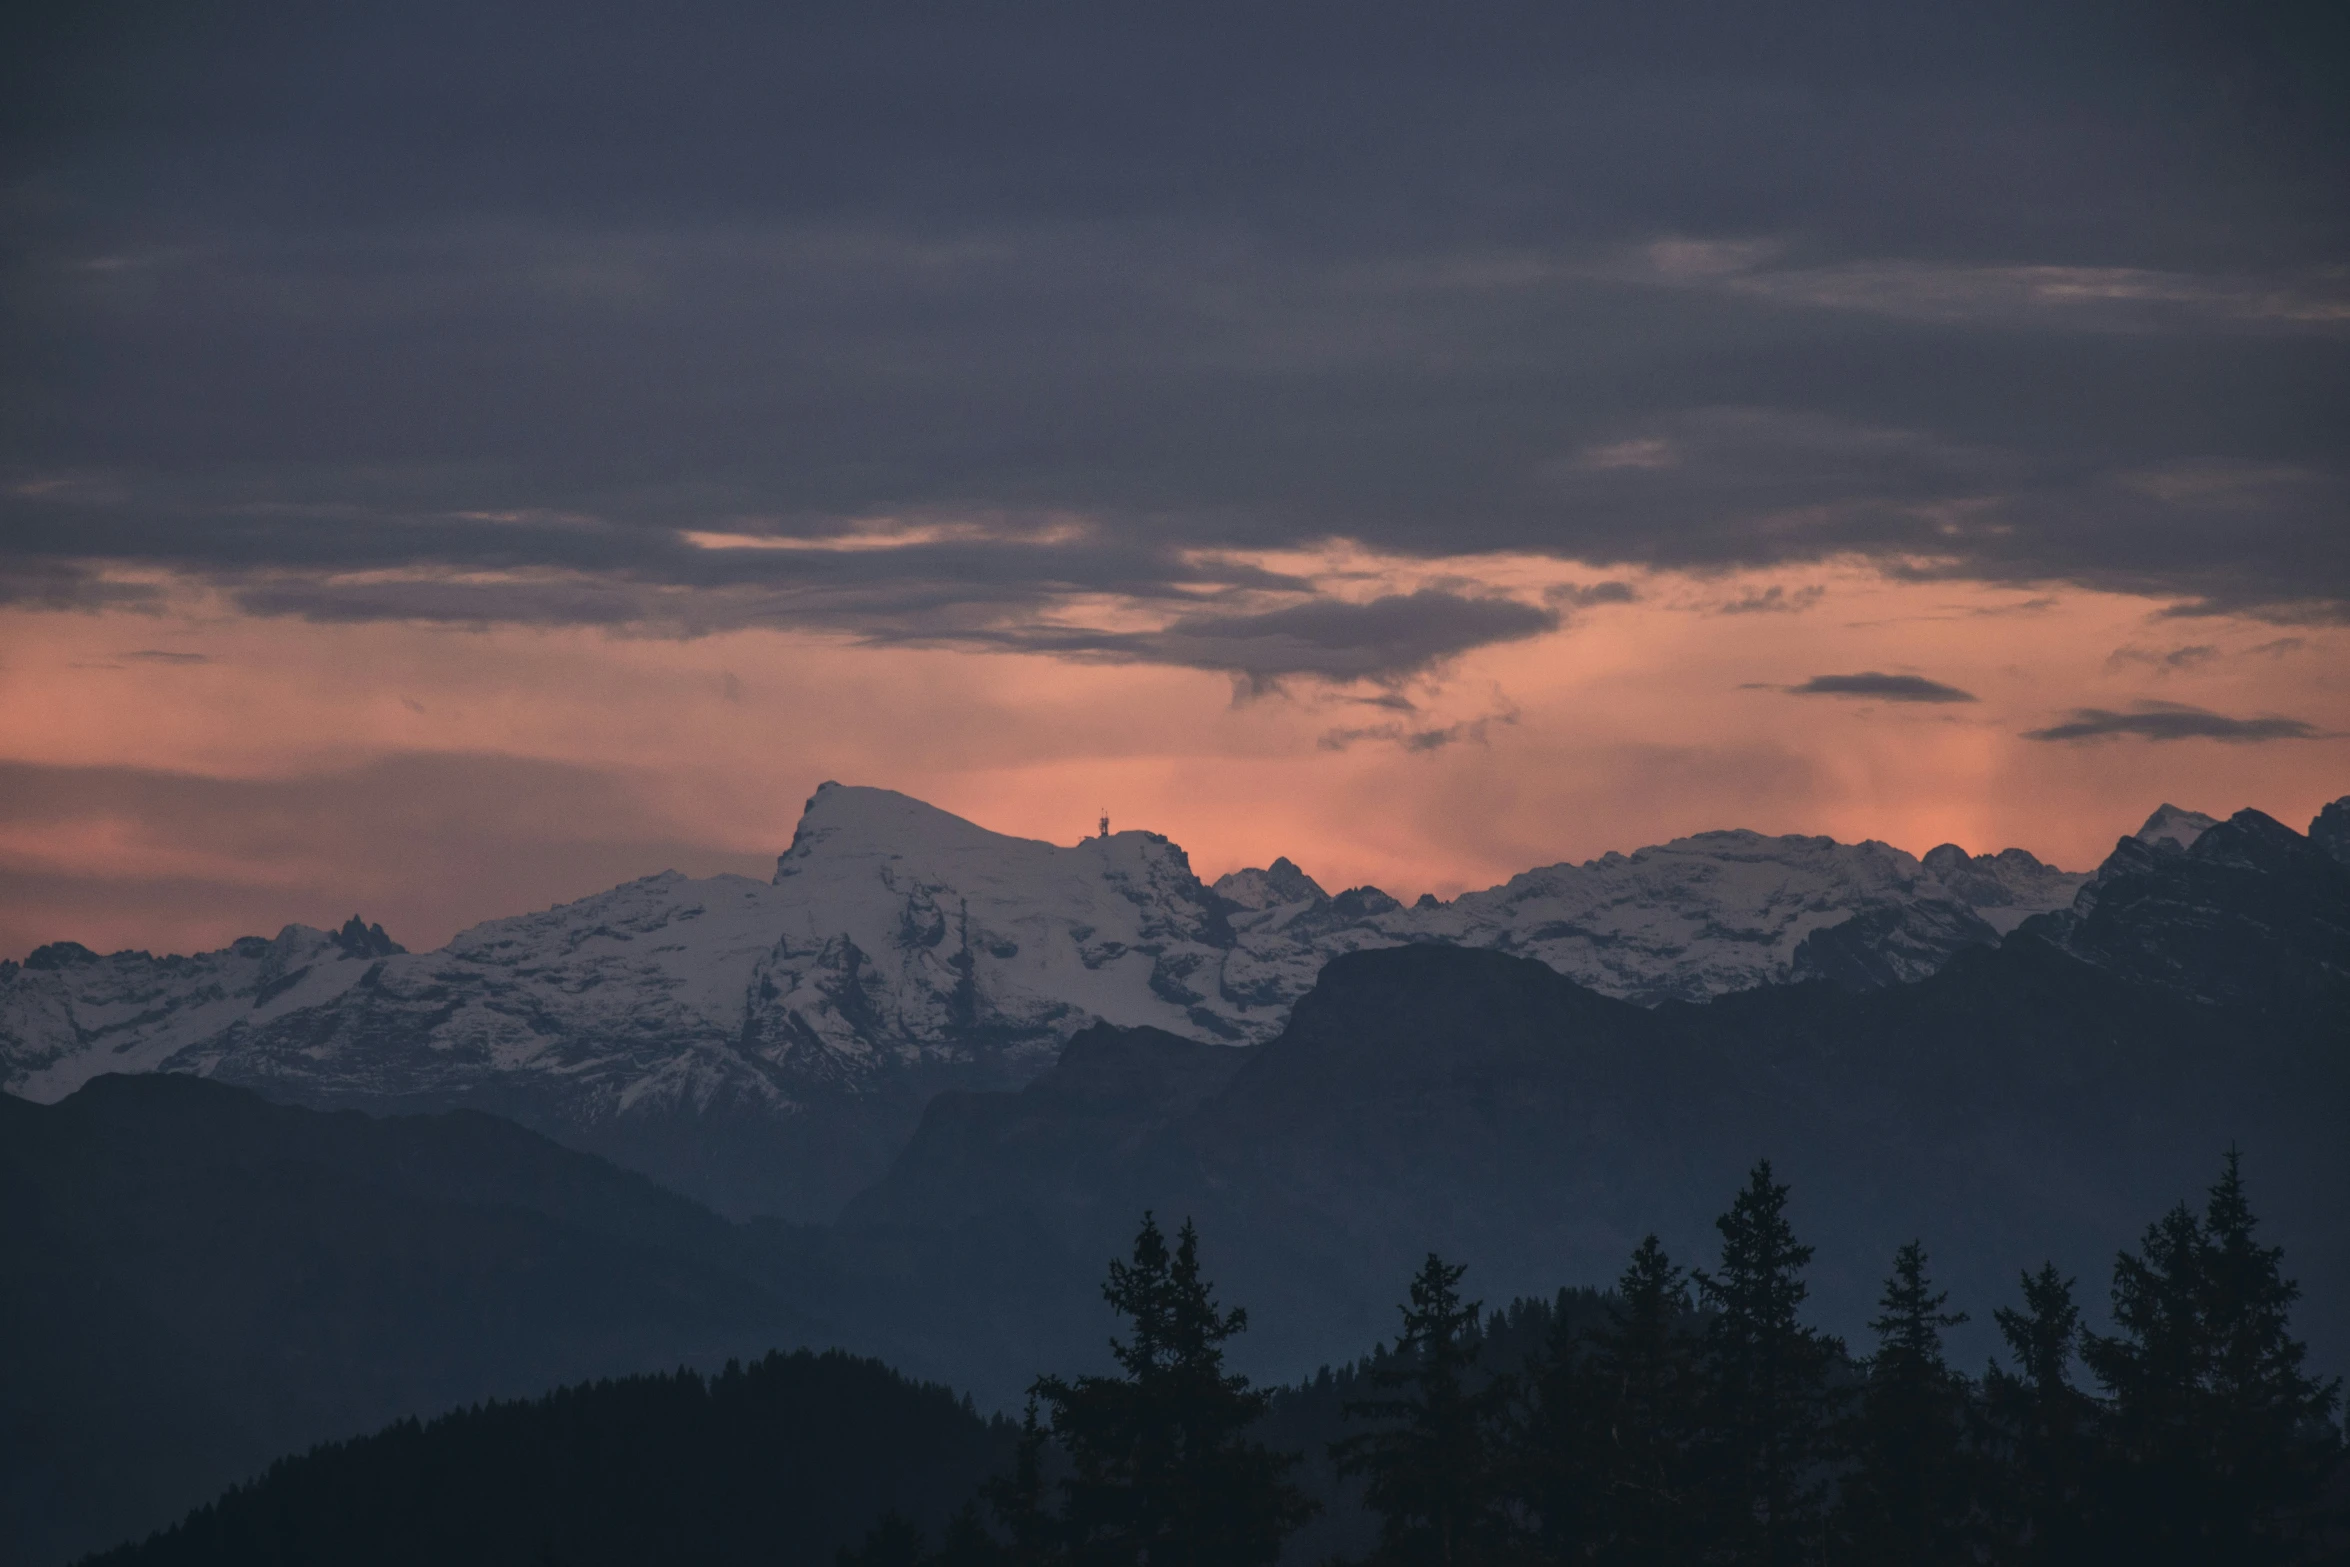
x=768, y=1047
x=212, y=1278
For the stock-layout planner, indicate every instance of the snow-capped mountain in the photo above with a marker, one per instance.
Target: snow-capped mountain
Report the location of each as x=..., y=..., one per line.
x=2172, y=828
x=67, y=1014
x=900, y=949
x=1684, y=920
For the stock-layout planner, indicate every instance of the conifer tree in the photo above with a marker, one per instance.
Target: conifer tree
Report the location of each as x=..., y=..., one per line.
x=1551, y=1448
x=1638, y=1384
x=1032, y=1533
x=893, y=1542
x=2040, y=1428
x=2219, y=1436
x=1910, y=1499
x=968, y=1544
x=1768, y=1404
x=1433, y=1471
x=1161, y=1470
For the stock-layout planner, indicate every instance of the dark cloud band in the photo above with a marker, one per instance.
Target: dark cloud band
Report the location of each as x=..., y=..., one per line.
x=1383, y=639
x=1884, y=688
x=2172, y=721
x=496, y=305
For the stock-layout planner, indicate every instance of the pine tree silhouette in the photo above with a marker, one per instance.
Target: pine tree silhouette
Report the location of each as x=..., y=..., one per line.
x=1768, y=1406
x=1019, y=1502
x=1433, y=1472
x=1911, y=1498
x=1639, y=1386
x=1555, y=1449
x=893, y=1542
x=1161, y=1470
x=968, y=1544
x=2218, y=1436
x=2039, y=1429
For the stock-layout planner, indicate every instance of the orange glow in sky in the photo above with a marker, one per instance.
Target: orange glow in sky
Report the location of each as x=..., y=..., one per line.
x=180, y=779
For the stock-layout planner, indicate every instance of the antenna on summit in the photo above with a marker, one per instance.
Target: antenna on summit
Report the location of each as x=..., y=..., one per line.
x=1105, y=821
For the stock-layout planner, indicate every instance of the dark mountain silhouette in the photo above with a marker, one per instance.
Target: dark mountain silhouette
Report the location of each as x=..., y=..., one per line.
x=198, y=1281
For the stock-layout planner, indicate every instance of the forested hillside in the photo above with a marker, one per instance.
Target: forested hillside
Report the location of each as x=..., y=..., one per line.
x=780, y=1463
x=1692, y=1414
x=198, y=1281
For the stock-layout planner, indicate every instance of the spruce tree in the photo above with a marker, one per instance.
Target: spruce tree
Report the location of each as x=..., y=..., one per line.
x=1767, y=1401
x=1638, y=1387
x=1031, y=1531
x=893, y=1542
x=968, y=1544
x=1910, y=1498
x=2271, y=1429
x=1161, y=1469
x=1433, y=1470
x=2219, y=1436
x=2040, y=1429
x=1549, y=1451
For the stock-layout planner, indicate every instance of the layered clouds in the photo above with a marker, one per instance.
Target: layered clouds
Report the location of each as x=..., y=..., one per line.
x=1381, y=367
x=432, y=292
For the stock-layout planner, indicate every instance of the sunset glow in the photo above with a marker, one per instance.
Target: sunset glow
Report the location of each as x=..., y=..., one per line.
x=186, y=776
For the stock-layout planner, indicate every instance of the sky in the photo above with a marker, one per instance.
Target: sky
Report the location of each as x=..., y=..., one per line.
x=454, y=458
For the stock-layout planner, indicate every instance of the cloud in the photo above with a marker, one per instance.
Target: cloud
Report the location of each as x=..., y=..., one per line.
x=424, y=842
x=2194, y=656
x=942, y=581
x=2084, y=298
x=150, y=655
x=1422, y=741
x=1774, y=600
x=1648, y=453
x=35, y=583
x=2172, y=721
x=1881, y=687
x=999, y=581
x=1383, y=639
x=1581, y=595
x=1651, y=289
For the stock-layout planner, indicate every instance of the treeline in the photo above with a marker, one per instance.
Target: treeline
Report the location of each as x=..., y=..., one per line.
x=1691, y=1416
x=781, y=1461
x=1697, y=1418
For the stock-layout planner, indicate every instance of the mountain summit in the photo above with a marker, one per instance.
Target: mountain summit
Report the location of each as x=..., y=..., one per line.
x=2174, y=827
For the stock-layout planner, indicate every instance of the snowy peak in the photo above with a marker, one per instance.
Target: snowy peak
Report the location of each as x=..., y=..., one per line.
x=2006, y=888
x=858, y=848
x=2172, y=827
x=1721, y=911
x=844, y=821
x=1281, y=883
x=70, y=1014
x=2252, y=911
